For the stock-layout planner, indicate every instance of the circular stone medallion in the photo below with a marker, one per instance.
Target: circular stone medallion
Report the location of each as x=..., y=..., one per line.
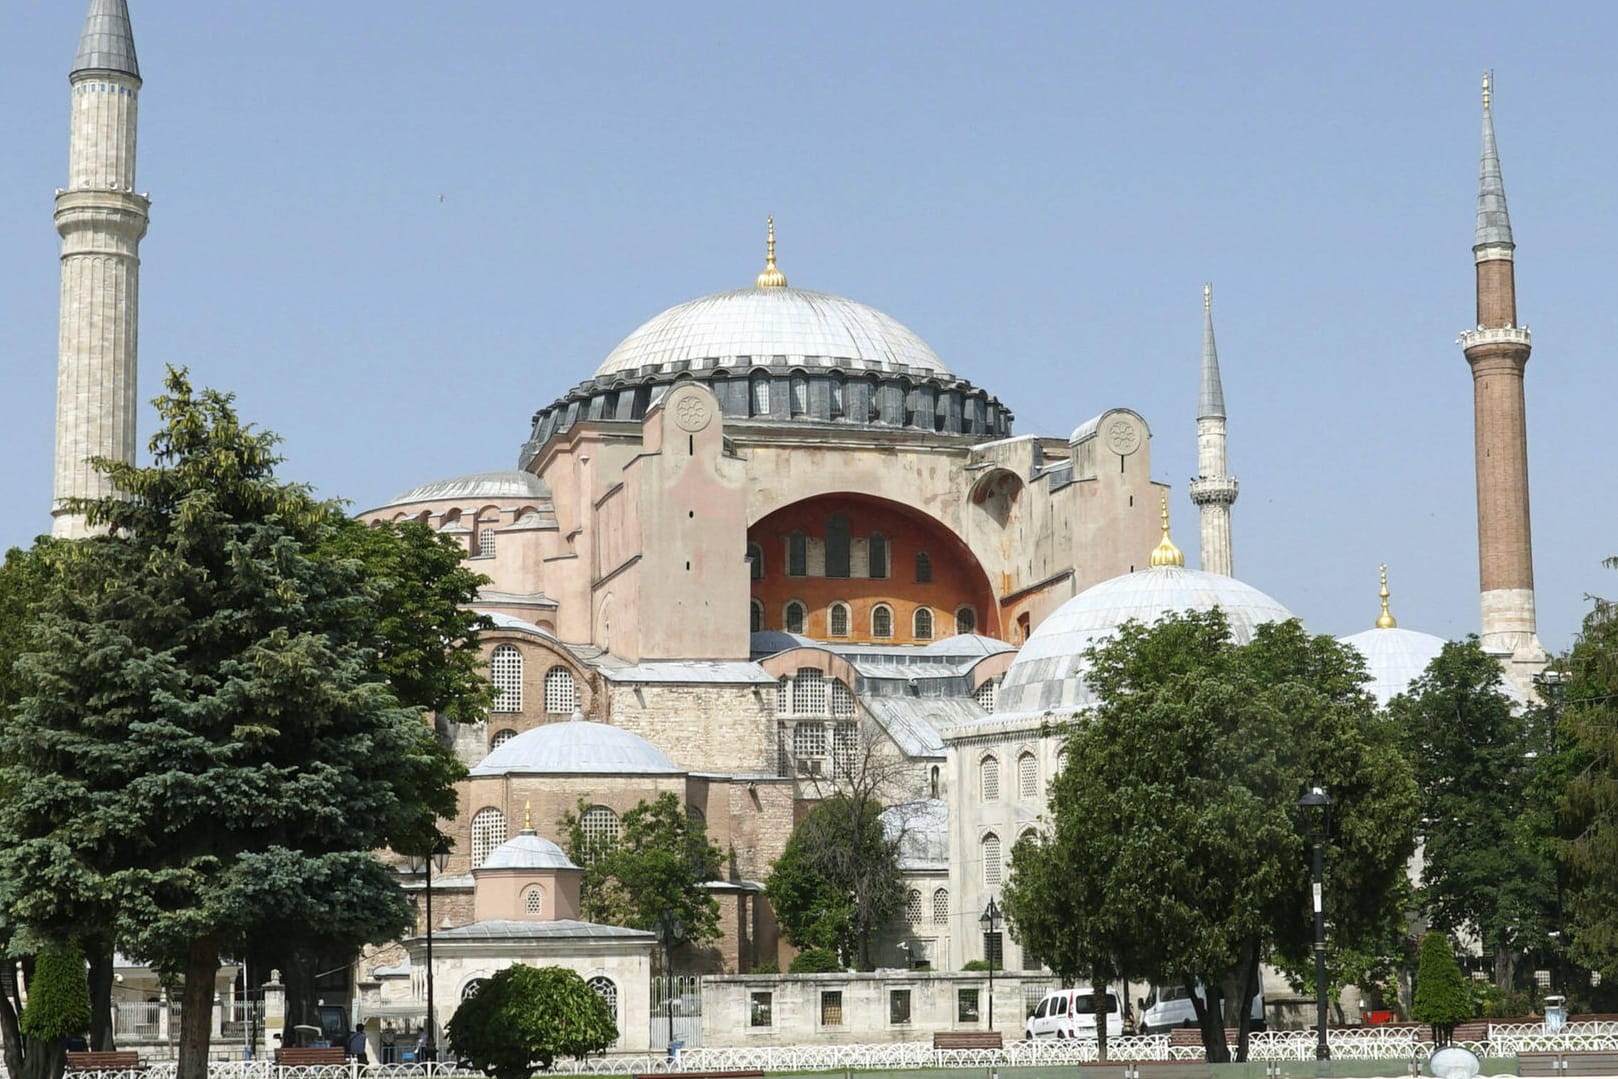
x=691, y=412
x=1123, y=437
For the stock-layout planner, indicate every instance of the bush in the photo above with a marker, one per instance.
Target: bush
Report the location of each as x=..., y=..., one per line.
x=58, y=996
x=1442, y=999
x=816, y=961
x=525, y=1016
x=976, y=964
x=768, y=966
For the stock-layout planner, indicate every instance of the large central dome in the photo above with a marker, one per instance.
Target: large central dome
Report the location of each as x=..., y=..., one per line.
x=773, y=325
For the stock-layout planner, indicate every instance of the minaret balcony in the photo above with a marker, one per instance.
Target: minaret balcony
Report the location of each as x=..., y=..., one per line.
x=1213, y=490
x=1503, y=335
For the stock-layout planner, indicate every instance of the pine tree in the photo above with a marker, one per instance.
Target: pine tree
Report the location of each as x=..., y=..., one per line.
x=1441, y=997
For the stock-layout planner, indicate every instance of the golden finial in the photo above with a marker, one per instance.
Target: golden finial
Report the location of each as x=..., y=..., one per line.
x=1207, y=295
x=771, y=277
x=528, y=816
x=1165, y=553
x=1488, y=78
x=1386, y=620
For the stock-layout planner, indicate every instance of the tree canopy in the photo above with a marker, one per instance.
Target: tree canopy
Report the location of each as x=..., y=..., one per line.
x=1178, y=808
x=526, y=1016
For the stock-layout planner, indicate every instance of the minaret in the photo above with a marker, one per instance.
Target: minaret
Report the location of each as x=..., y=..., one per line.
x=1212, y=492
x=101, y=221
x=1497, y=352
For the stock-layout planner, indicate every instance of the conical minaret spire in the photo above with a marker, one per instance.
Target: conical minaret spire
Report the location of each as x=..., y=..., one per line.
x=101, y=221
x=1497, y=351
x=1213, y=492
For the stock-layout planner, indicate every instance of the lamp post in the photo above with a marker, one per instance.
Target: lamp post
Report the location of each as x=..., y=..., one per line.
x=669, y=928
x=418, y=864
x=1317, y=798
x=990, y=921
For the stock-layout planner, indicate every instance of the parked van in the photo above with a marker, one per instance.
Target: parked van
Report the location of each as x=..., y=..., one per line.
x=1169, y=1006
x=1070, y=1013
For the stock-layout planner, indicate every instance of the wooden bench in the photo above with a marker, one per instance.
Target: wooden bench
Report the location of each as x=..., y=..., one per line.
x=967, y=1039
x=119, y=1061
x=1594, y=1062
x=703, y=1075
x=294, y=1057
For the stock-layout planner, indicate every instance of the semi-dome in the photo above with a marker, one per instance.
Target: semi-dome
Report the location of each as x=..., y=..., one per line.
x=1047, y=671
x=507, y=483
x=527, y=850
x=773, y=325
x=576, y=747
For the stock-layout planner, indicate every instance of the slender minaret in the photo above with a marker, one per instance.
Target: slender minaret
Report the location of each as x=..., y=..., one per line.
x=101, y=221
x=1497, y=352
x=1212, y=492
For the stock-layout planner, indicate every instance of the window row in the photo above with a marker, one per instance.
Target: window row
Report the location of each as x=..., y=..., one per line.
x=815, y=749
x=832, y=1013
x=489, y=830
x=992, y=856
x=940, y=911
x=1027, y=776
x=810, y=692
x=506, y=674
x=839, y=619
x=837, y=555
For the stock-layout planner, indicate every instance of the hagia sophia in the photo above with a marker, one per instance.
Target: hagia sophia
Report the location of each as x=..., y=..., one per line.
x=771, y=539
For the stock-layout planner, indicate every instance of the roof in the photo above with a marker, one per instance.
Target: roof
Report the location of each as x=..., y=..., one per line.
x=1494, y=223
x=700, y=671
x=518, y=625
x=561, y=929
x=576, y=747
x=916, y=723
x=772, y=326
x=108, y=41
x=1211, y=392
x=504, y=484
x=1397, y=657
x=526, y=850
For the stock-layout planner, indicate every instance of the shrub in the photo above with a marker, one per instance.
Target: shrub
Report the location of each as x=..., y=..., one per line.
x=1441, y=999
x=976, y=964
x=816, y=961
x=525, y=1016
x=58, y=996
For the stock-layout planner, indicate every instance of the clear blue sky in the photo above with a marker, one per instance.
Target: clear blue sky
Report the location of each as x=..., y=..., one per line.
x=1038, y=190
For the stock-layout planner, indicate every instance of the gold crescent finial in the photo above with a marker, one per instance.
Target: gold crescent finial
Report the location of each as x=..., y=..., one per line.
x=528, y=816
x=1165, y=553
x=1385, y=620
x=771, y=277
x=1488, y=79
x=1207, y=295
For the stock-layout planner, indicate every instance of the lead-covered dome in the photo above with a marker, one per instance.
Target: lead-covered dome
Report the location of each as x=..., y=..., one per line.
x=506, y=483
x=576, y=747
x=1047, y=673
x=772, y=325
x=527, y=850
x=1397, y=657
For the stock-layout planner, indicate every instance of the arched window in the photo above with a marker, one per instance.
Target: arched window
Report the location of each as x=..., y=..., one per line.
x=924, y=567
x=485, y=536
x=799, y=386
x=505, y=672
x=881, y=620
x=836, y=397
x=1027, y=776
x=923, y=624
x=533, y=902
x=986, y=693
x=606, y=991
x=837, y=544
x=932, y=787
x=600, y=827
x=759, y=384
x=755, y=561
x=501, y=737
x=794, y=616
x=470, y=989
x=989, y=778
x=873, y=400
x=755, y=621
x=913, y=907
x=966, y=620
x=809, y=692
x=561, y=696
x=797, y=554
x=488, y=832
x=940, y=906
x=842, y=698
x=991, y=860
x=837, y=620
x=879, y=555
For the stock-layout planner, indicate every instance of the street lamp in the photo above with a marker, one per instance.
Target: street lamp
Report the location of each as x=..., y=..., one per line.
x=419, y=864
x=990, y=921
x=669, y=928
x=1317, y=798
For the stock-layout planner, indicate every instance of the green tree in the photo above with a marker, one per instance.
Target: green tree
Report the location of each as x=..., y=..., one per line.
x=525, y=1017
x=660, y=862
x=58, y=1008
x=1487, y=867
x=206, y=734
x=837, y=881
x=1179, y=800
x=1441, y=999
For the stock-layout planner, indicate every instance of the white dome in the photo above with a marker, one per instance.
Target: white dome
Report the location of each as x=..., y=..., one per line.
x=756, y=325
x=1397, y=657
x=1046, y=674
x=527, y=850
x=576, y=747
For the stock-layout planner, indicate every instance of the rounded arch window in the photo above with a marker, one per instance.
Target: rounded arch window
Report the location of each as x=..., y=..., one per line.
x=793, y=618
x=991, y=860
x=755, y=561
x=607, y=991
x=923, y=624
x=986, y=694
x=989, y=777
x=837, y=620
x=932, y=786
x=836, y=396
x=940, y=906
x=488, y=832
x=882, y=620
x=913, y=906
x=533, y=902
x=505, y=673
x=470, y=989
x=759, y=395
x=755, y=618
x=966, y=620
x=501, y=737
x=1027, y=775
x=798, y=386
x=600, y=827
x=561, y=695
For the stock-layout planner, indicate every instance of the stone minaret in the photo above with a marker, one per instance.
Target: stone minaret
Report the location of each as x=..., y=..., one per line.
x=101, y=221
x=1213, y=491
x=1497, y=351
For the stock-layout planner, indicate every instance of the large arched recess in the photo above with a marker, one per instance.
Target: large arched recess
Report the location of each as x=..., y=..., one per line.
x=957, y=578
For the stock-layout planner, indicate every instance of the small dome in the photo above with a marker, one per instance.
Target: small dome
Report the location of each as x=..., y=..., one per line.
x=1046, y=673
x=508, y=483
x=576, y=747
x=772, y=325
x=526, y=850
x=1397, y=657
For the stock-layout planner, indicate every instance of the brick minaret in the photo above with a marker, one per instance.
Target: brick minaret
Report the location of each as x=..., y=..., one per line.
x=101, y=221
x=1497, y=351
x=1213, y=491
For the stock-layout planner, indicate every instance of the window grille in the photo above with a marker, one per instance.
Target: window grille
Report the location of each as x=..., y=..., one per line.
x=486, y=536
x=966, y=1005
x=809, y=740
x=783, y=696
x=837, y=620
x=941, y=906
x=761, y=1009
x=761, y=394
x=533, y=902
x=783, y=758
x=831, y=1008
x=488, y=832
x=809, y=692
x=794, y=617
x=985, y=695
x=607, y=991
x=991, y=860
x=879, y=555
x=966, y=620
x=881, y=621
x=470, y=989
x=600, y=827
x=842, y=698
x=989, y=777
x=561, y=696
x=913, y=907
x=1027, y=776
x=845, y=748
x=923, y=624
x=505, y=671
x=924, y=568
x=837, y=397
x=501, y=737
x=755, y=617
x=800, y=394
x=797, y=554
x=898, y=1005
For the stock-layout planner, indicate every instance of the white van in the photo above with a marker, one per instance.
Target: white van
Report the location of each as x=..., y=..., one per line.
x=1169, y=1006
x=1070, y=1013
